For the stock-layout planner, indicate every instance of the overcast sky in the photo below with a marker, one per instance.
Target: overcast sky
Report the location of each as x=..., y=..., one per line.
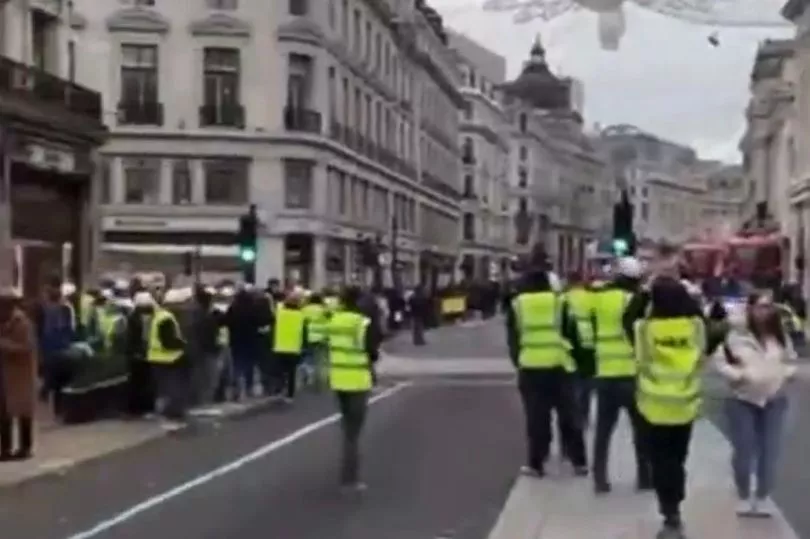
x=665, y=78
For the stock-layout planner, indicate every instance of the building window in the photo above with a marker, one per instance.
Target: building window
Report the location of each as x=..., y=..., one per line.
x=106, y=182
x=468, y=227
x=298, y=184
x=332, y=15
x=523, y=153
x=223, y=5
x=139, y=86
x=469, y=186
x=181, y=182
x=523, y=121
x=221, y=88
x=523, y=178
x=299, y=7
x=357, y=32
x=148, y=3
x=141, y=181
x=226, y=181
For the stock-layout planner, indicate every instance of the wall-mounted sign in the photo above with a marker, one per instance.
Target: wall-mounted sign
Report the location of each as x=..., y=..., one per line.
x=175, y=224
x=50, y=158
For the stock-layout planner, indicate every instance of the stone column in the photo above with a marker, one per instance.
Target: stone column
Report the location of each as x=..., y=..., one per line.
x=92, y=225
x=318, y=263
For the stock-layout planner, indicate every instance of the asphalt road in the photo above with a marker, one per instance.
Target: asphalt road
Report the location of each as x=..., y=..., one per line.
x=440, y=460
x=472, y=340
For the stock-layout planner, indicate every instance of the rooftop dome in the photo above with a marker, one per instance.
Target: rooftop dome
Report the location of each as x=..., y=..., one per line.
x=537, y=85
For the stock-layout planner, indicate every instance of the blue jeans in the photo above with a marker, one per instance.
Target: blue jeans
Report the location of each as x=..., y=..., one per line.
x=244, y=370
x=756, y=439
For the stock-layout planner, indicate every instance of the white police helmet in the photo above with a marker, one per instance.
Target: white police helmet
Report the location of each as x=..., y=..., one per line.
x=629, y=266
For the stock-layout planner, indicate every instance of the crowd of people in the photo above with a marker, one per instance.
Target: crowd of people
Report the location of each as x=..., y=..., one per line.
x=639, y=340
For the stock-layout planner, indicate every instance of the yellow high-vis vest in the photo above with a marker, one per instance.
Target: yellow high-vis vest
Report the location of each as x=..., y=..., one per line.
x=669, y=351
x=538, y=322
x=288, y=335
x=317, y=317
x=349, y=364
x=615, y=357
x=580, y=304
x=156, y=352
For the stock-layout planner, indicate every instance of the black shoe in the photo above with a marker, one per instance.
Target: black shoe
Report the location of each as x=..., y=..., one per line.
x=531, y=471
x=581, y=470
x=602, y=486
x=6, y=457
x=644, y=483
x=22, y=454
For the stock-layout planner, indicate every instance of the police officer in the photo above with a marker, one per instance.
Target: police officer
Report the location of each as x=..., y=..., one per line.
x=353, y=350
x=317, y=317
x=164, y=354
x=289, y=337
x=579, y=299
x=615, y=374
x=670, y=343
x=541, y=336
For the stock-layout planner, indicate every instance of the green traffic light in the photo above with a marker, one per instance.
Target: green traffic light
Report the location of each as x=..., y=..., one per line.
x=620, y=246
x=247, y=255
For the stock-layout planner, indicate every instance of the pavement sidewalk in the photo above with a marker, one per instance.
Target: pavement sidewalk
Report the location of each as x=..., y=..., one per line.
x=563, y=507
x=62, y=447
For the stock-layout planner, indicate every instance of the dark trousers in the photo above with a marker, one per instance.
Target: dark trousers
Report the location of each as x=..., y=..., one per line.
x=544, y=390
x=669, y=449
x=140, y=388
x=613, y=395
x=24, y=429
x=287, y=369
x=244, y=369
x=418, y=330
x=173, y=385
x=56, y=375
x=353, y=407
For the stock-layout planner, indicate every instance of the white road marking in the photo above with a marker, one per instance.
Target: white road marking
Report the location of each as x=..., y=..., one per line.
x=154, y=501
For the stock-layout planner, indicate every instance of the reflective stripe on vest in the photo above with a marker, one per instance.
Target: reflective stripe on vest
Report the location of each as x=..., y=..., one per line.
x=669, y=351
x=614, y=352
x=223, y=336
x=349, y=365
x=537, y=317
x=156, y=352
x=580, y=301
x=288, y=336
x=317, y=317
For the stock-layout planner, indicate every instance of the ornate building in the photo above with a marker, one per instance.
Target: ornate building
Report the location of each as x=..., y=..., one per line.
x=561, y=187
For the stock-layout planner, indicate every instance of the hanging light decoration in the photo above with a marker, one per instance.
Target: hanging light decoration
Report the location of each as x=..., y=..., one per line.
x=612, y=23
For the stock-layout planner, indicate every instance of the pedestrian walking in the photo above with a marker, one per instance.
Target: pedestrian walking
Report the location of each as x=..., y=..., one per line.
x=541, y=336
x=579, y=299
x=670, y=343
x=756, y=363
x=353, y=351
x=616, y=371
x=317, y=316
x=18, y=365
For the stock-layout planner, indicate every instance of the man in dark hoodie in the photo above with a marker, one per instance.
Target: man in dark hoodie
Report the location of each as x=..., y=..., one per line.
x=616, y=371
x=541, y=336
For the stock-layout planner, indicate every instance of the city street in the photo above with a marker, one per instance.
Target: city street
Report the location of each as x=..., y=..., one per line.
x=441, y=453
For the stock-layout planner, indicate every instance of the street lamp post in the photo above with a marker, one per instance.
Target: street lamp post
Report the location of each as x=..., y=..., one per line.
x=395, y=281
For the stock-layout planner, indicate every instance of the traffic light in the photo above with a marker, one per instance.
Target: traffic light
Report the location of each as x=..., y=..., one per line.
x=246, y=240
x=624, y=239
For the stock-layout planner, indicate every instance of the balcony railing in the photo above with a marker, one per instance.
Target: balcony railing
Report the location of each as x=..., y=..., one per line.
x=361, y=144
x=140, y=113
x=222, y=116
x=43, y=88
x=306, y=121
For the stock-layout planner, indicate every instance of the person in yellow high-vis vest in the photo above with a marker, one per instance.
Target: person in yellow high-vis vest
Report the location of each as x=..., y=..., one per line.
x=317, y=317
x=579, y=298
x=670, y=343
x=353, y=350
x=288, y=336
x=615, y=375
x=164, y=354
x=541, y=335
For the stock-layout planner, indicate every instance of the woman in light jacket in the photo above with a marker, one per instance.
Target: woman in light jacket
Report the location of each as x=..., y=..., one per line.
x=756, y=362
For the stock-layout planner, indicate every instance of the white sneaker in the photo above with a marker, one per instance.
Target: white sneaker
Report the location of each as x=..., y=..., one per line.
x=744, y=508
x=764, y=507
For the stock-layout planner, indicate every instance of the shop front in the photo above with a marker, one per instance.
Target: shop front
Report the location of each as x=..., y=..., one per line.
x=50, y=130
